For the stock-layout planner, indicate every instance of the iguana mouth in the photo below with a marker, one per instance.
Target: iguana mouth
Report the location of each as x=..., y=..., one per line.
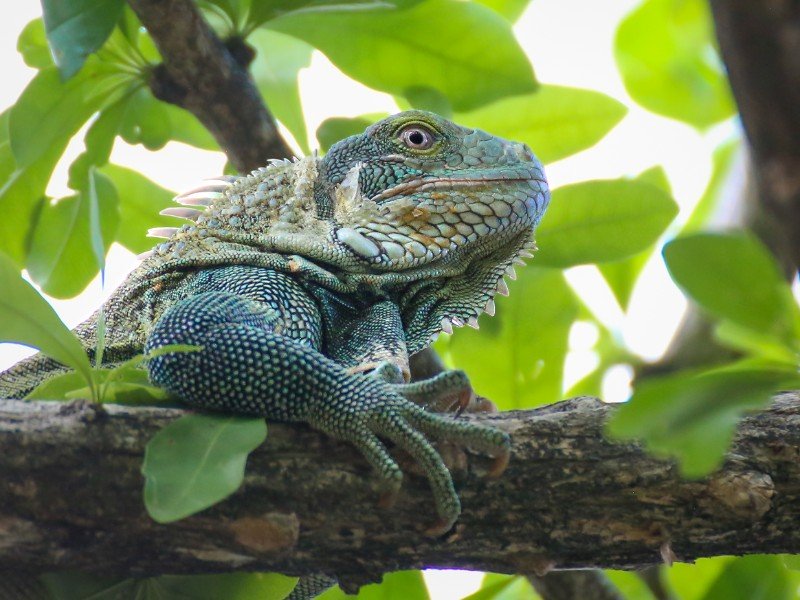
x=415, y=186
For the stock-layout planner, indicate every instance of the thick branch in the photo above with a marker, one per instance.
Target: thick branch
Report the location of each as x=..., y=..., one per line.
x=570, y=499
x=200, y=74
x=761, y=49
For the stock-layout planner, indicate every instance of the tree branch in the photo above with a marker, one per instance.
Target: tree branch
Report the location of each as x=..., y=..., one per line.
x=203, y=76
x=761, y=50
x=569, y=500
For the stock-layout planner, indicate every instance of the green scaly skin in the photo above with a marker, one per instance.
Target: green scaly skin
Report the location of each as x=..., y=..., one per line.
x=308, y=284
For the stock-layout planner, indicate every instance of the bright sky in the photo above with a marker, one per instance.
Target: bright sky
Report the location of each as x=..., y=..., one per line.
x=569, y=42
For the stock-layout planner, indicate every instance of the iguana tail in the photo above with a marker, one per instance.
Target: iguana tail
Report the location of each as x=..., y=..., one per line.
x=18, y=381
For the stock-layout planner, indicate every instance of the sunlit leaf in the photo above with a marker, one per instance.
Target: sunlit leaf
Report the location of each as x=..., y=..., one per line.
x=77, y=28
x=400, y=585
x=278, y=61
x=464, y=50
x=555, y=121
x=510, y=9
x=692, y=416
x=734, y=277
x=143, y=119
x=260, y=12
x=26, y=318
x=197, y=461
x=665, y=53
x=690, y=581
x=754, y=578
x=791, y=561
x=57, y=388
x=630, y=584
x=49, y=112
x=230, y=586
x=32, y=44
x=621, y=275
x=517, y=357
x=760, y=344
x=62, y=259
x=21, y=195
x=139, y=206
x=99, y=141
x=599, y=221
x=504, y=587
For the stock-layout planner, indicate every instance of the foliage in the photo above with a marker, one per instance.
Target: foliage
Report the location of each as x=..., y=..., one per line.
x=668, y=62
x=461, y=59
x=197, y=461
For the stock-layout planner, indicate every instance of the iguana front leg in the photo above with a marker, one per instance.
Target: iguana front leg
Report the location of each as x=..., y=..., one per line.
x=245, y=367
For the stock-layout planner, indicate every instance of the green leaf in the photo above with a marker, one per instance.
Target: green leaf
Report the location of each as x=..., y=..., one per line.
x=21, y=195
x=517, y=357
x=77, y=28
x=601, y=221
x=334, y=129
x=99, y=142
x=691, y=581
x=665, y=53
x=26, y=318
x=278, y=61
x=197, y=461
x=734, y=277
x=504, y=587
x=555, y=121
x=759, y=344
x=622, y=275
x=400, y=585
x=692, y=416
x=630, y=585
x=754, y=578
x=62, y=258
x=791, y=561
x=510, y=9
x=427, y=98
x=58, y=387
x=49, y=112
x=230, y=586
x=259, y=12
x=465, y=51
x=32, y=44
x=139, y=207
x=145, y=121
x=125, y=383
x=148, y=121
x=99, y=186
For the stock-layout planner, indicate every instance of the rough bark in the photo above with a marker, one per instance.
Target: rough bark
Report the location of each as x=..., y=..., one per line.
x=203, y=75
x=570, y=499
x=760, y=45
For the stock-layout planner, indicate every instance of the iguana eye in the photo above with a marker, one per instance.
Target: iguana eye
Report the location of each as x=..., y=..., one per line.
x=417, y=137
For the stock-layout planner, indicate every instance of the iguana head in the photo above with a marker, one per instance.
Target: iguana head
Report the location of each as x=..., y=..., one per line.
x=416, y=204
x=415, y=188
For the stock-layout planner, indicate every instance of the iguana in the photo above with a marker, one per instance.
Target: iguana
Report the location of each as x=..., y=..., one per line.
x=308, y=283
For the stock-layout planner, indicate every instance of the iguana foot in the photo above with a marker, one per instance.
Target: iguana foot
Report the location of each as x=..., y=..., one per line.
x=364, y=408
x=449, y=391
